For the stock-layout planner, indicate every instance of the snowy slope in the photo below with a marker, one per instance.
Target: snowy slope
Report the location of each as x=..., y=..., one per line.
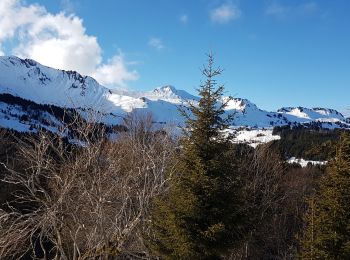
x=254, y=137
x=313, y=114
x=29, y=79
x=304, y=163
x=32, y=81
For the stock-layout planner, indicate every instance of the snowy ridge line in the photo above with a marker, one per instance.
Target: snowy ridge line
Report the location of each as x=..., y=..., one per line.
x=40, y=84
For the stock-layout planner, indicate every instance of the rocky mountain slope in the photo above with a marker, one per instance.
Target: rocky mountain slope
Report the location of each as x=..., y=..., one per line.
x=30, y=91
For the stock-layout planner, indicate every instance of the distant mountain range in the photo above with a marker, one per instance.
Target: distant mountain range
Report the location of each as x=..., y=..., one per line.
x=30, y=92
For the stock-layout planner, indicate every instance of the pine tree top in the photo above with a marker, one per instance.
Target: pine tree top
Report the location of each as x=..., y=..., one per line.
x=206, y=120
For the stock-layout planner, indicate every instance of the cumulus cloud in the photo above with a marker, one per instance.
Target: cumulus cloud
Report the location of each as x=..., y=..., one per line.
x=58, y=40
x=115, y=72
x=225, y=13
x=156, y=43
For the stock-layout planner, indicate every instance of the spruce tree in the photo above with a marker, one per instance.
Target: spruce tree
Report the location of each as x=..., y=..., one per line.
x=328, y=219
x=201, y=217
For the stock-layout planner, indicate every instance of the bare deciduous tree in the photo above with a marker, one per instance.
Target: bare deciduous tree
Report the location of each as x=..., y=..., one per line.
x=263, y=171
x=89, y=200
x=276, y=195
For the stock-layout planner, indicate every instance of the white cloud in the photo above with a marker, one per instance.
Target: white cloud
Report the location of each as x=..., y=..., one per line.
x=59, y=41
x=225, y=13
x=156, y=43
x=13, y=15
x=115, y=72
x=183, y=18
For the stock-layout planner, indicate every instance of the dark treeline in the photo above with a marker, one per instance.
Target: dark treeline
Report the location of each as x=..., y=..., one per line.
x=308, y=142
x=43, y=114
x=149, y=194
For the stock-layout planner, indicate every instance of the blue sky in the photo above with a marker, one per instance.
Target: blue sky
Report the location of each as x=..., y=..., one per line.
x=275, y=53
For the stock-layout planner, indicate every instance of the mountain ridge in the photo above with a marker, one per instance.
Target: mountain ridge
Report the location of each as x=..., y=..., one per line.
x=28, y=79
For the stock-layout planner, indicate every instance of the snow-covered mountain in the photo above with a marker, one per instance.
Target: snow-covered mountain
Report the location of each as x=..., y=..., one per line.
x=29, y=91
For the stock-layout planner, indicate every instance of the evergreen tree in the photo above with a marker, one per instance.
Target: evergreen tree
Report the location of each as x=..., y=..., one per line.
x=202, y=215
x=328, y=220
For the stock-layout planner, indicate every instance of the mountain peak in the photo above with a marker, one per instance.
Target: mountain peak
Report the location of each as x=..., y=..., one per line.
x=240, y=104
x=166, y=91
x=170, y=93
x=31, y=80
x=166, y=88
x=28, y=79
x=16, y=61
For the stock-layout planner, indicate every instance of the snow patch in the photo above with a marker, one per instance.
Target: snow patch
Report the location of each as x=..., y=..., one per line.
x=303, y=163
x=255, y=137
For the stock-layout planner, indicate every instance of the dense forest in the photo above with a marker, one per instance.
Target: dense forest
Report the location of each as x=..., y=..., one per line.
x=309, y=142
x=151, y=194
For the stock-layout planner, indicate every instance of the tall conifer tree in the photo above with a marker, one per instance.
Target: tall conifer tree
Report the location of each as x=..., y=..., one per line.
x=202, y=215
x=328, y=220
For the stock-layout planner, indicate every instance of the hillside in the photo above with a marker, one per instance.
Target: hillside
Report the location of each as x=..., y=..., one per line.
x=25, y=79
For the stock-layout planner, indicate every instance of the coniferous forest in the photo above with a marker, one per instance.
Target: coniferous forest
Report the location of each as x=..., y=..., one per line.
x=136, y=191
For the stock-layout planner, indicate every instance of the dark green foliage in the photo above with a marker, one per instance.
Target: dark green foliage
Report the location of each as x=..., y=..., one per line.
x=310, y=143
x=328, y=220
x=202, y=216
